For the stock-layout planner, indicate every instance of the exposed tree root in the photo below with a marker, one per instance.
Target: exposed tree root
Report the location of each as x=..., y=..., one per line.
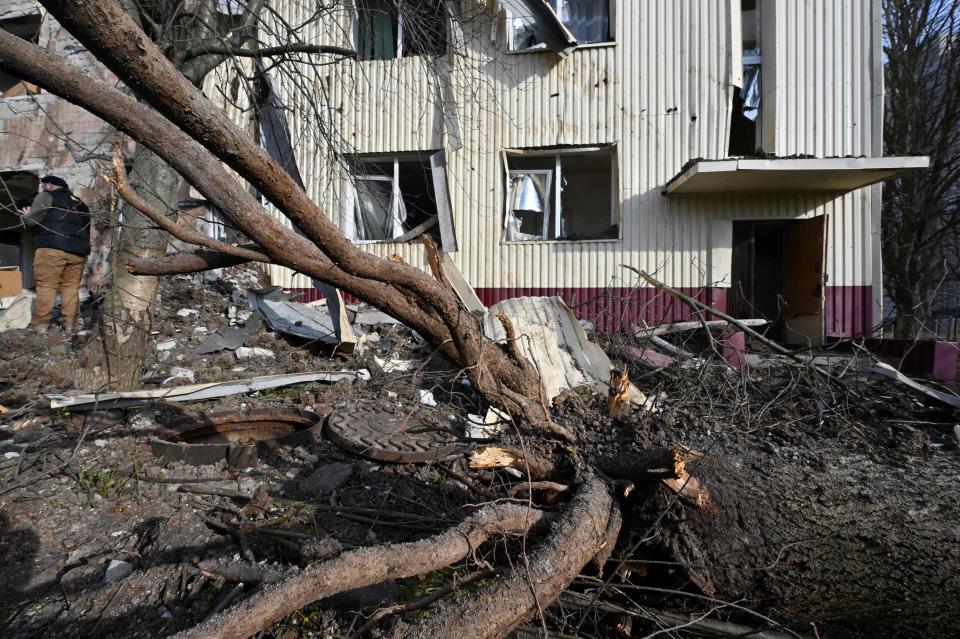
x=500, y=606
x=368, y=566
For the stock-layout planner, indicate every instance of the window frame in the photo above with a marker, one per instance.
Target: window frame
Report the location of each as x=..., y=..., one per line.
x=509, y=31
x=556, y=194
x=435, y=160
x=397, y=45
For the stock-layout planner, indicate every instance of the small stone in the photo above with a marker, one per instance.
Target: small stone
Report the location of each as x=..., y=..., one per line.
x=100, y=443
x=245, y=352
x=11, y=455
x=427, y=399
x=166, y=345
x=117, y=570
x=326, y=479
x=187, y=312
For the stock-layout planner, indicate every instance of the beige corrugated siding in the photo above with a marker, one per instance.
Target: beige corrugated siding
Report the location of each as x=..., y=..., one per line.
x=661, y=93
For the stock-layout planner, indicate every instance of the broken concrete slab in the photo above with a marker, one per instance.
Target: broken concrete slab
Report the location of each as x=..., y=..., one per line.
x=17, y=315
x=190, y=393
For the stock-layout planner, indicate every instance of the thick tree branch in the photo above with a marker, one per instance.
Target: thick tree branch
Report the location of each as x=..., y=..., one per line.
x=365, y=567
x=180, y=263
x=497, y=608
x=267, y=52
x=179, y=231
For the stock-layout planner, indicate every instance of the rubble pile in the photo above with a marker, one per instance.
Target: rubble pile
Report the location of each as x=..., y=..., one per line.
x=142, y=514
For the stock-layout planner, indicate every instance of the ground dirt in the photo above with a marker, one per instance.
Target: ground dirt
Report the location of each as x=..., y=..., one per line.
x=831, y=505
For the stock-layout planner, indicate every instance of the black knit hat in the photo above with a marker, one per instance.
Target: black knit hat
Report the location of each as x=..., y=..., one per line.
x=54, y=180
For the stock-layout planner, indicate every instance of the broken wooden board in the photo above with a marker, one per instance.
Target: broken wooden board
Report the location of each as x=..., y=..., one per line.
x=646, y=357
x=190, y=393
x=680, y=327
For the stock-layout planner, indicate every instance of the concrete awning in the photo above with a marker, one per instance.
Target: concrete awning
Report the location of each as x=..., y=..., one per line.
x=808, y=175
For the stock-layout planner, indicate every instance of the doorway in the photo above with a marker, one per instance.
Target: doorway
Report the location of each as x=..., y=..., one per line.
x=777, y=275
x=17, y=189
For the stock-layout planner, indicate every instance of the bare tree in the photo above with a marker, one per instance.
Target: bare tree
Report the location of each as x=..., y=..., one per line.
x=921, y=211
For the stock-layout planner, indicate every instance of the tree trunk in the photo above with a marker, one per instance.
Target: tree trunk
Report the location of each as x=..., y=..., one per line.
x=847, y=540
x=126, y=319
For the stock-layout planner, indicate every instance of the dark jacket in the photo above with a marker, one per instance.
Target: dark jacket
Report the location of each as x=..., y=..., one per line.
x=65, y=224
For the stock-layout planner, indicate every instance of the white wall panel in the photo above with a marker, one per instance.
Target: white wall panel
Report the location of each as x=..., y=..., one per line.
x=661, y=93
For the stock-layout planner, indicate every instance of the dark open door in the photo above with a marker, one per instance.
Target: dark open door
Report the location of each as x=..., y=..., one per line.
x=804, y=251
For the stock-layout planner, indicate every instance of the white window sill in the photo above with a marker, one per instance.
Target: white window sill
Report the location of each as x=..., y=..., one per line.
x=544, y=49
x=610, y=240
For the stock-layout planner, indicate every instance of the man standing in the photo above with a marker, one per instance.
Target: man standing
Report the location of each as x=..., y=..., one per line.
x=61, y=231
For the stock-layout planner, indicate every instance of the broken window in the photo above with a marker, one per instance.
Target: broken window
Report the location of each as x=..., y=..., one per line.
x=579, y=21
x=388, y=29
x=398, y=199
x=561, y=194
x=28, y=28
x=744, y=125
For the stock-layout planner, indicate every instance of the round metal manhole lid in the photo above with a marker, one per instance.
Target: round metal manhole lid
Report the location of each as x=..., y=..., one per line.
x=387, y=437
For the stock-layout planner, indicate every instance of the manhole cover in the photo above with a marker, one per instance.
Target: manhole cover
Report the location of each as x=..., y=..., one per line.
x=234, y=437
x=388, y=437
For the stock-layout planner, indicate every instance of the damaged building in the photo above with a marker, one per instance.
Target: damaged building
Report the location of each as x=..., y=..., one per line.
x=42, y=134
x=733, y=148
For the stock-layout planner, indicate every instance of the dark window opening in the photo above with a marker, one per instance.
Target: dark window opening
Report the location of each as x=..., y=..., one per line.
x=588, y=21
x=394, y=199
x=388, y=29
x=28, y=28
x=745, y=127
x=17, y=190
x=567, y=195
x=743, y=131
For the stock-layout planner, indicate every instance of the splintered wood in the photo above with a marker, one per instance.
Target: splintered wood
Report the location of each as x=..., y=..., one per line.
x=690, y=489
x=491, y=458
x=618, y=397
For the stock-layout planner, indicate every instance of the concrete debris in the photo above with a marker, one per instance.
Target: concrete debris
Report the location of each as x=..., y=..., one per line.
x=245, y=352
x=426, y=398
x=166, y=345
x=117, y=570
x=17, y=315
x=487, y=427
x=11, y=455
x=187, y=312
x=394, y=364
x=177, y=373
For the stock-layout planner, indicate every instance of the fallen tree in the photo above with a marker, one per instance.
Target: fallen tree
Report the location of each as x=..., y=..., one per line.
x=178, y=124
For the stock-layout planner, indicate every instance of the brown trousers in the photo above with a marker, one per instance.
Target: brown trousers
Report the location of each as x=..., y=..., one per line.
x=57, y=270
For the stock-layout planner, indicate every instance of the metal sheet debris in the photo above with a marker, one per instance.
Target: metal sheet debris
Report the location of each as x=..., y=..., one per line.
x=190, y=393
x=890, y=372
x=300, y=320
x=230, y=337
x=552, y=338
